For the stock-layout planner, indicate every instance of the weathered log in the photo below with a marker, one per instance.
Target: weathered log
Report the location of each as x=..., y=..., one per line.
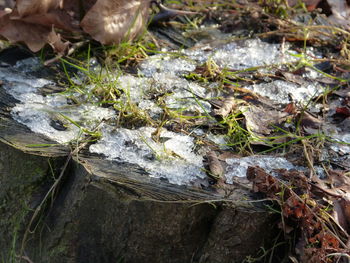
x=106, y=211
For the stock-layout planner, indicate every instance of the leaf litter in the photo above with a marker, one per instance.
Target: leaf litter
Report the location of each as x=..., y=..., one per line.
x=260, y=109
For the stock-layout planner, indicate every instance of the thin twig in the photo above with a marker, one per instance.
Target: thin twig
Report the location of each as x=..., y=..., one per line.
x=47, y=196
x=70, y=51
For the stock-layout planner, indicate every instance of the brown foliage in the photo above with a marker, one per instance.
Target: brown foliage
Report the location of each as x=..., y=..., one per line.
x=304, y=209
x=37, y=22
x=34, y=7
x=110, y=21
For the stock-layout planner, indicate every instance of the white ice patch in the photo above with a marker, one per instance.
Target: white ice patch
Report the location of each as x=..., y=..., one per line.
x=28, y=65
x=134, y=88
x=38, y=112
x=238, y=166
x=280, y=91
x=219, y=140
x=166, y=63
x=242, y=54
x=343, y=147
x=171, y=158
x=149, y=106
x=18, y=84
x=236, y=55
x=180, y=93
x=39, y=116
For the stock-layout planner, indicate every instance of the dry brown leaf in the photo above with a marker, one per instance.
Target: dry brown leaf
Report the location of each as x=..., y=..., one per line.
x=58, y=18
x=310, y=4
x=290, y=108
x=263, y=182
x=345, y=203
x=30, y=7
x=294, y=207
x=107, y=21
x=292, y=77
x=227, y=154
x=226, y=107
x=339, y=216
x=78, y=9
x=310, y=124
x=56, y=42
x=339, y=180
x=260, y=121
x=111, y=21
x=295, y=178
x=34, y=36
x=305, y=213
x=215, y=165
x=7, y=4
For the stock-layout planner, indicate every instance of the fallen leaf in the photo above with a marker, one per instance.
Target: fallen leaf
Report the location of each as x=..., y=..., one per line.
x=310, y=4
x=78, y=9
x=112, y=21
x=262, y=181
x=345, y=111
x=290, y=108
x=310, y=124
x=34, y=36
x=56, y=42
x=57, y=18
x=294, y=207
x=339, y=215
x=30, y=7
x=215, y=166
x=292, y=77
x=260, y=121
x=226, y=107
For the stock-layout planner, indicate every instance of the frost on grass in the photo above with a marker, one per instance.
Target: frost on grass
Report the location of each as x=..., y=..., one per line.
x=171, y=157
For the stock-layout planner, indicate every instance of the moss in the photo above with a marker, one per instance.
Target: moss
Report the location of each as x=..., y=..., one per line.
x=23, y=179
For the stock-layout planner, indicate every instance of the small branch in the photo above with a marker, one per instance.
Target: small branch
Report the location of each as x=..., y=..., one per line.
x=166, y=13
x=49, y=193
x=70, y=51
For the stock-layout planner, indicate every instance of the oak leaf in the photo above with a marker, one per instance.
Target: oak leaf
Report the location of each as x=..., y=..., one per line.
x=35, y=37
x=112, y=21
x=30, y=7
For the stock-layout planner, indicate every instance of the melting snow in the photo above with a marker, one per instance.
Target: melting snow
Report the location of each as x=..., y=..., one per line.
x=38, y=112
x=242, y=54
x=283, y=91
x=172, y=158
x=238, y=166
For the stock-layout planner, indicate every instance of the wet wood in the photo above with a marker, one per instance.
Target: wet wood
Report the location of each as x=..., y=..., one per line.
x=105, y=211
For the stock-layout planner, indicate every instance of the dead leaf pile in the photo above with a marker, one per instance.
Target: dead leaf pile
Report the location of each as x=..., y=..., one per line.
x=58, y=22
x=315, y=211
